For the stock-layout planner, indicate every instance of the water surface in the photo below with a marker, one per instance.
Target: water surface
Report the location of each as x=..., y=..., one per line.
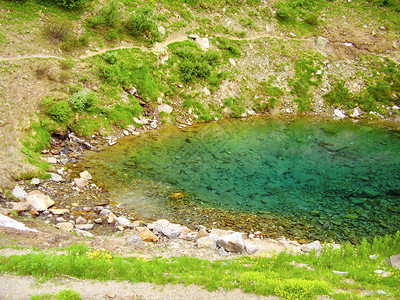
x=327, y=179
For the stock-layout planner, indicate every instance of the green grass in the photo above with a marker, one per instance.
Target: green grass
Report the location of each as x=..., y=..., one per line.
x=269, y=274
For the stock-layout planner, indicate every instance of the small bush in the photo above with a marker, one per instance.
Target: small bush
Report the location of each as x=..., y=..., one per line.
x=284, y=13
x=83, y=101
x=110, y=57
x=69, y=4
x=60, y=111
x=339, y=95
x=109, y=16
x=58, y=30
x=67, y=64
x=141, y=23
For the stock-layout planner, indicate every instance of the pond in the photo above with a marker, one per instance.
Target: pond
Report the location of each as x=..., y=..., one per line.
x=304, y=178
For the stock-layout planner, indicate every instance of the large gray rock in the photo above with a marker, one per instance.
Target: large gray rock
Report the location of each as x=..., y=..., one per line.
x=164, y=108
x=19, y=193
x=250, y=248
x=134, y=239
x=232, y=243
x=39, y=201
x=65, y=226
x=394, y=261
x=316, y=245
x=84, y=226
x=172, y=231
x=21, y=206
x=209, y=242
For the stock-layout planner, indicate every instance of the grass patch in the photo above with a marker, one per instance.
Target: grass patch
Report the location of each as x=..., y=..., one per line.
x=287, y=275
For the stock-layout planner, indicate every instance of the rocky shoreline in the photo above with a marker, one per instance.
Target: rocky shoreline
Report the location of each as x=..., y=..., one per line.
x=71, y=202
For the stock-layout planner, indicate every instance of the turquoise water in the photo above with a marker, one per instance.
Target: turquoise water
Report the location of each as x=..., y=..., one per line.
x=341, y=179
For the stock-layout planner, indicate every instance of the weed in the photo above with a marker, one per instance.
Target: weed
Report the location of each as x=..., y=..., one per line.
x=59, y=30
x=42, y=69
x=236, y=105
x=67, y=64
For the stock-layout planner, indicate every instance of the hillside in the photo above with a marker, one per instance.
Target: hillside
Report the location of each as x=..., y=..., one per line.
x=92, y=66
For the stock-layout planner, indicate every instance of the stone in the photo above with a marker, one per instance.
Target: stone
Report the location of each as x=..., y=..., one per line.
x=123, y=221
x=355, y=113
x=111, y=218
x=204, y=43
x=185, y=229
x=340, y=273
x=39, y=201
x=164, y=108
x=85, y=175
x=292, y=34
x=65, y=226
x=232, y=62
x=202, y=233
x=172, y=231
x=161, y=30
x=250, y=248
x=158, y=225
x=394, y=261
x=338, y=114
x=84, y=233
x=105, y=211
x=188, y=236
x=51, y=160
x=209, y=242
x=19, y=193
x=84, y=226
x=222, y=252
x=55, y=177
x=148, y=236
x=232, y=243
x=9, y=222
x=316, y=245
x=134, y=239
x=120, y=228
x=80, y=182
x=193, y=36
x=322, y=42
x=35, y=181
x=153, y=124
x=21, y=206
x=59, y=211
x=80, y=220
x=60, y=220
x=221, y=232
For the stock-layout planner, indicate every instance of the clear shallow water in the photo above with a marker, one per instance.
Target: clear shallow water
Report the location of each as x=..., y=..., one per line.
x=342, y=180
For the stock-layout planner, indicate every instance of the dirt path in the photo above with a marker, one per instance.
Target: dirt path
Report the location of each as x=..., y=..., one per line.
x=23, y=287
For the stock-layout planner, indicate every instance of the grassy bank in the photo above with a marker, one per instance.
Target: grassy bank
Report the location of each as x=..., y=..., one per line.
x=291, y=276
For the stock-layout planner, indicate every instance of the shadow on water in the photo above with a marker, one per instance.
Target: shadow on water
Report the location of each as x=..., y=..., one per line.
x=302, y=177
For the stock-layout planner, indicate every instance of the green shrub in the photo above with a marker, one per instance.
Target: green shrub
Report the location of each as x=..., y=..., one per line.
x=69, y=4
x=236, y=105
x=60, y=111
x=110, y=57
x=108, y=15
x=122, y=115
x=83, y=101
x=229, y=46
x=141, y=23
x=284, y=13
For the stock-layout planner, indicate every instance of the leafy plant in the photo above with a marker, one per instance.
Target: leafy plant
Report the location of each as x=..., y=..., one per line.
x=60, y=111
x=141, y=23
x=109, y=15
x=83, y=101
